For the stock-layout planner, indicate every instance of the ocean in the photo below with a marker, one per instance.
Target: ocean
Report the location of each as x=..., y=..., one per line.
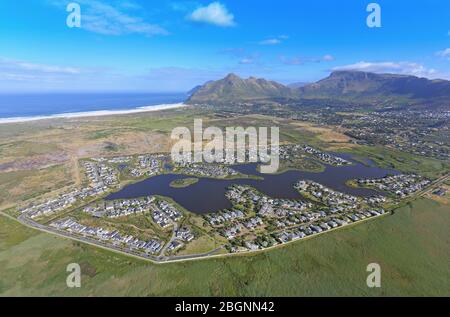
x=23, y=107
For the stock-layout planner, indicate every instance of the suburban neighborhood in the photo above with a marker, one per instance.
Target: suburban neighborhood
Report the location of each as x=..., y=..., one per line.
x=255, y=222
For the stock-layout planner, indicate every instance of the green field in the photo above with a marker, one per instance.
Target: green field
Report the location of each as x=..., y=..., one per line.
x=405, y=162
x=412, y=247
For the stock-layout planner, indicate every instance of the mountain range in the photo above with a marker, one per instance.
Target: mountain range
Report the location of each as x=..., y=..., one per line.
x=383, y=90
x=234, y=88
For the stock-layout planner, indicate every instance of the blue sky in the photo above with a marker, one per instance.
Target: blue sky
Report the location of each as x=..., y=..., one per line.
x=173, y=45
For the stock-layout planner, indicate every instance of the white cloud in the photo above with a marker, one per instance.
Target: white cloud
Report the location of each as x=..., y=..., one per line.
x=328, y=58
x=103, y=18
x=130, y=5
x=300, y=61
x=246, y=61
x=21, y=68
x=215, y=13
x=291, y=60
x=25, y=75
x=234, y=51
x=404, y=68
x=270, y=42
x=444, y=53
x=241, y=55
x=274, y=40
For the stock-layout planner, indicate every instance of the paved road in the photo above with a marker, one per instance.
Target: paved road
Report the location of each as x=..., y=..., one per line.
x=433, y=185
x=23, y=219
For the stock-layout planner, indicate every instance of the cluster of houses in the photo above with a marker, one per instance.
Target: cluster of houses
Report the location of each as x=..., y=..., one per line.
x=114, y=237
x=101, y=178
x=120, y=208
x=63, y=201
x=148, y=165
x=253, y=223
x=227, y=157
x=326, y=195
x=324, y=225
x=303, y=231
x=51, y=206
x=254, y=154
x=376, y=200
x=239, y=194
x=184, y=234
x=100, y=174
x=290, y=219
x=440, y=192
x=324, y=157
x=164, y=214
x=297, y=219
x=208, y=170
x=265, y=207
x=233, y=231
x=421, y=132
x=219, y=218
x=120, y=160
x=143, y=165
x=281, y=207
x=174, y=245
x=401, y=185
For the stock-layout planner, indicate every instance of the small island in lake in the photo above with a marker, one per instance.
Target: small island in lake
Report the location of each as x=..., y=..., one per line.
x=185, y=182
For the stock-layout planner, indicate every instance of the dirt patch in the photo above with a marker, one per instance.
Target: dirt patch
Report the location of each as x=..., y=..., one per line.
x=88, y=269
x=326, y=134
x=445, y=200
x=35, y=162
x=129, y=143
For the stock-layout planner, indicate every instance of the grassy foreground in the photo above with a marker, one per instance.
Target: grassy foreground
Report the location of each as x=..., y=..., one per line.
x=412, y=247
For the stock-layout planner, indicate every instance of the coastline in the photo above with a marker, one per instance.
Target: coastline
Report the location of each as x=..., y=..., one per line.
x=95, y=113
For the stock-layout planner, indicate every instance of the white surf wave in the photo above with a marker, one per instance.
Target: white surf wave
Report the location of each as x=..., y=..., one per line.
x=97, y=113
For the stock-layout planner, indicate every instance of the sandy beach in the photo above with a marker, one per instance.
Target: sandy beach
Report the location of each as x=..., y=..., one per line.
x=93, y=113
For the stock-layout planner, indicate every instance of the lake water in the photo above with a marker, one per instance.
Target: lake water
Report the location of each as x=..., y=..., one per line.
x=208, y=195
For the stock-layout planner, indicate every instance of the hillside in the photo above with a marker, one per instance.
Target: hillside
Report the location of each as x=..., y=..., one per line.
x=381, y=90
x=299, y=84
x=233, y=88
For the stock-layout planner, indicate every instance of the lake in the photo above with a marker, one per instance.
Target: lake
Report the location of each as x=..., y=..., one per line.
x=208, y=195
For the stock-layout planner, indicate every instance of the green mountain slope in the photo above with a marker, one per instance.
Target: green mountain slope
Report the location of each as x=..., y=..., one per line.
x=234, y=88
x=378, y=88
x=383, y=90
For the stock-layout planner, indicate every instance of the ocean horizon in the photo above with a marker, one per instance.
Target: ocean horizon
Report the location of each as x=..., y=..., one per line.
x=34, y=106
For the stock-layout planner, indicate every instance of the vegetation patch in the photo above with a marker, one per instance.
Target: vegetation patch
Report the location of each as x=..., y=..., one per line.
x=183, y=183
